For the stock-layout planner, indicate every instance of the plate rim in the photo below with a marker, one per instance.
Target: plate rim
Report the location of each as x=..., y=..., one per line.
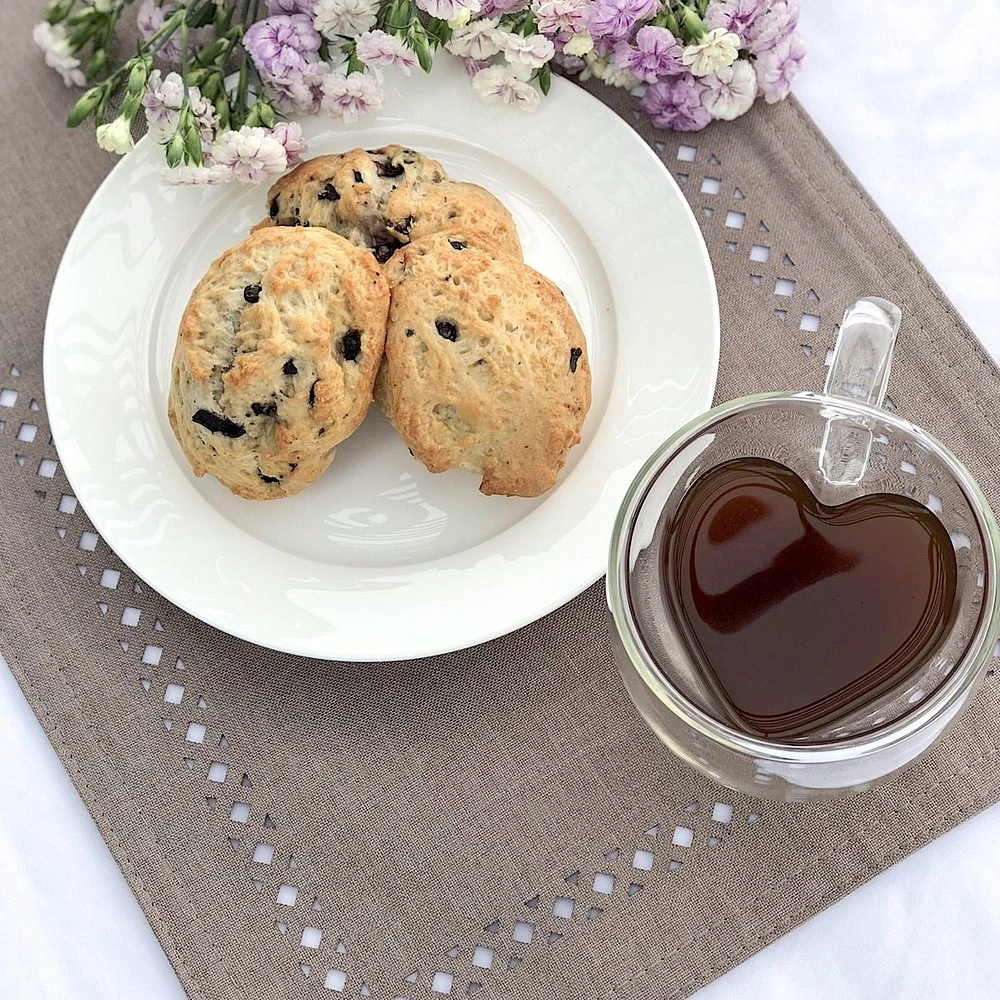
x=442, y=646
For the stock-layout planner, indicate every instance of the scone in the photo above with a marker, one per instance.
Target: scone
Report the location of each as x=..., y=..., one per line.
x=380, y=198
x=276, y=358
x=485, y=364
x=420, y=210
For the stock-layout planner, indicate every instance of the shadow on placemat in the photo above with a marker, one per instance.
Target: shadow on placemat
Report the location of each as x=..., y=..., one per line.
x=498, y=819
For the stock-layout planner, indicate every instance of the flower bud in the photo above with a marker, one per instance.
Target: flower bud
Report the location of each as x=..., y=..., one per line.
x=84, y=107
x=174, y=150
x=116, y=136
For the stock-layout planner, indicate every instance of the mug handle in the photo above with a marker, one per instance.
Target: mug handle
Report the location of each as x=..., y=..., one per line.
x=859, y=372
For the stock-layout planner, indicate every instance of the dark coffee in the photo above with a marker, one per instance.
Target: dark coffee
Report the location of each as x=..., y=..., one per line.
x=799, y=613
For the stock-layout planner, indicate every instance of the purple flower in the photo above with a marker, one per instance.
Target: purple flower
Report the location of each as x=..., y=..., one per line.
x=348, y=95
x=299, y=93
x=616, y=18
x=473, y=66
x=568, y=64
x=150, y=17
x=494, y=8
x=737, y=16
x=289, y=134
x=656, y=53
x=561, y=18
x=377, y=48
x=291, y=7
x=675, y=103
x=250, y=153
x=770, y=28
x=779, y=66
x=282, y=44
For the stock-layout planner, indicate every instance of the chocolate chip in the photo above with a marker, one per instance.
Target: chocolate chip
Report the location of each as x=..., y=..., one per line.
x=289, y=367
x=358, y=179
x=321, y=432
x=575, y=354
x=329, y=193
x=251, y=293
x=350, y=346
x=312, y=394
x=403, y=226
x=268, y=479
x=384, y=250
x=389, y=169
x=292, y=466
x=265, y=409
x=218, y=424
x=458, y=244
x=306, y=224
x=409, y=333
x=447, y=329
x=274, y=208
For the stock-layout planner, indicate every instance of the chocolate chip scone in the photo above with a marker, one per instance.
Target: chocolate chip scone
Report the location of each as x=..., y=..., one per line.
x=485, y=364
x=276, y=358
x=383, y=198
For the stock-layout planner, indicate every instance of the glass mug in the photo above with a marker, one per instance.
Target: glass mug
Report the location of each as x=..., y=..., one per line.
x=843, y=446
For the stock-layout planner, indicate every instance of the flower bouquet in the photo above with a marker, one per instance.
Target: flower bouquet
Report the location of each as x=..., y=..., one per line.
x=219, y=80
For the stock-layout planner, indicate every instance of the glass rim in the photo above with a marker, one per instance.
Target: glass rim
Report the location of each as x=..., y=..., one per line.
x=955, y=686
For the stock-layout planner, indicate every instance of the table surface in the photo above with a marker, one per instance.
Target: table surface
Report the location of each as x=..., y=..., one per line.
x=923, y=136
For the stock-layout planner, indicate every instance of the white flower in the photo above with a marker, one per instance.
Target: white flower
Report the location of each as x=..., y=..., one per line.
x=506, y=85
x=116, y=136
x=345, y=17
x=715, y=51
x=349, y=95
x=579, y=45
x=533, y=51
x=213, y=173
x=564, y=18
x=54, y=44
x=448, y=10
x=731, y=90
x=377, y=48
x=478, y=40
x=162, y=100
x=249, y=153
x=607, y=72
x=289, y=134
x=300, y=93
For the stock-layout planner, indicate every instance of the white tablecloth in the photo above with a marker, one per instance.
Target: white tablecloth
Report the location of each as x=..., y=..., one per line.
x=907, y=94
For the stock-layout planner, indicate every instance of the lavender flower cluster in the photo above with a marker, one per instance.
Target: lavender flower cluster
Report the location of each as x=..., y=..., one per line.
x=688, y=62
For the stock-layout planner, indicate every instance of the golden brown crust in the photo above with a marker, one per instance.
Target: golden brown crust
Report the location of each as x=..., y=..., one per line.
x=275, y=359
x=383, y=198
x=486, y=365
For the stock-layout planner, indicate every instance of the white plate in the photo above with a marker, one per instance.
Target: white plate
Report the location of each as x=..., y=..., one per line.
x=380, y=559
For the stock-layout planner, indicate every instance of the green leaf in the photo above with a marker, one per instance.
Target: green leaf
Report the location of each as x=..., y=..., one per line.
x=438, y=32
x=545, y=78
x=200, y=17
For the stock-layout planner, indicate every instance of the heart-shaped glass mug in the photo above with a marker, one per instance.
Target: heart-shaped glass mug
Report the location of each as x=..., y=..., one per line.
x=843, y=446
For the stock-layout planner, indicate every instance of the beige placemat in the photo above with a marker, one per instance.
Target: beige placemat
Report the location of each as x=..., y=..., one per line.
x=499, y=819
